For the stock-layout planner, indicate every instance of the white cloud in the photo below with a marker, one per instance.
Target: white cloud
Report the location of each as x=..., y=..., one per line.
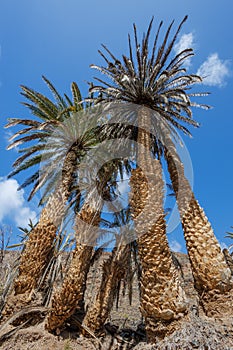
x=13, y=205
x=214, y=71
x=175, y=246
x=186, y=41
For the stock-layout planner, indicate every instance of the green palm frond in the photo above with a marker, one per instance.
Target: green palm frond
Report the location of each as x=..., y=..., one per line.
x=47, y=173
x=60, y=101
x=28, y=138
x=39, y=104
x=77, y=97
x=48, y=188
x=16, y=121
x=27, y=164
x=29, y=151
x=30, y=180
x=31, y=140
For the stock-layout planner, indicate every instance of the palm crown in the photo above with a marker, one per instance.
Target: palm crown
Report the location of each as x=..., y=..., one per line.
x=47, y=138
x=147, y=78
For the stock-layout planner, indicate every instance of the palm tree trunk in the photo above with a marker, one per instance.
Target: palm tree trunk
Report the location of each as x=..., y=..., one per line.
x=70, y=297
x=113, y=270
x=211, y=273
x=39, y=246
x=162, y=298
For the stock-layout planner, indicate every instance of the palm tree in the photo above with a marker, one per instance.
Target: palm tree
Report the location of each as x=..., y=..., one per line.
x=69, y=299
x=160, y=89
x=209, y=266
x=162, y=298
x=212, y=275
x=140, y=85
x=114, y=269
x=57, y=146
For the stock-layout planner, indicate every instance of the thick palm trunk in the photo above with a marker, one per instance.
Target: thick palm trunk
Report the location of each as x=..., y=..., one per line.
x=113, y=270
x=211, y=273
x=70, y=296
x=39, y=246
x=162, y=298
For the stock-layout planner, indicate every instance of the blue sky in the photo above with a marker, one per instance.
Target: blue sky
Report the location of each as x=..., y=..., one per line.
x=60, y=39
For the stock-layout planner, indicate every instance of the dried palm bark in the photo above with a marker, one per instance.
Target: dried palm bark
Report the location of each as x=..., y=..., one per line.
x=71, y=294
x=212, y=274
x=39, y=246
x=163, y=300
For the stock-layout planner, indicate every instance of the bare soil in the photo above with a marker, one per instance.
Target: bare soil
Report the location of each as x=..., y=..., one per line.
x=124, y=329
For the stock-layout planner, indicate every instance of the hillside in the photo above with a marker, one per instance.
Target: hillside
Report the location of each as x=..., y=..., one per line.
x=124, y=329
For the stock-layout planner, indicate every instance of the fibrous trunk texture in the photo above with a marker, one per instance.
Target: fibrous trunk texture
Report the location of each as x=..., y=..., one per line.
x=211, y=273
x=70, y=297
x=163, y=300
x=113, y=270
x=39, y=246
x=37, y=250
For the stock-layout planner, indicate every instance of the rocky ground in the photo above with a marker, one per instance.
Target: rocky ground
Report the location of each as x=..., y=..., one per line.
x=124, y=329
